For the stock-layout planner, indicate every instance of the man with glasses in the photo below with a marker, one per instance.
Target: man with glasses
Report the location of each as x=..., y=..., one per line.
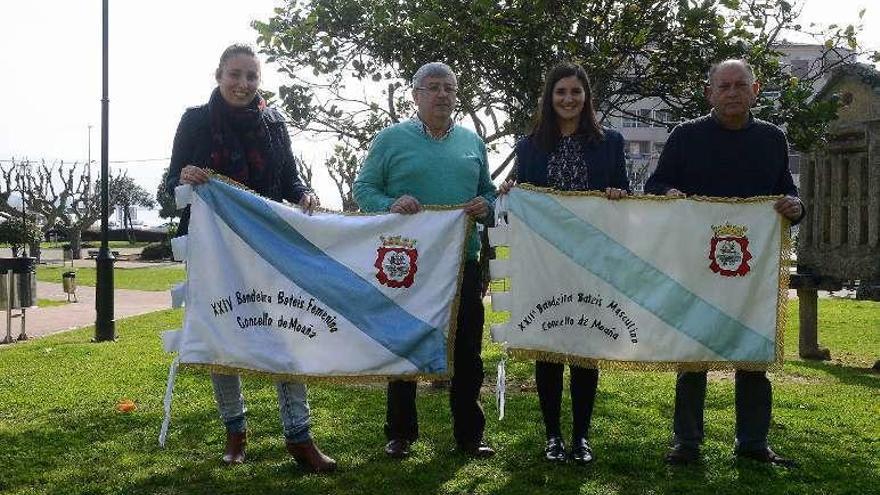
x=727, y=153
x=428, y=160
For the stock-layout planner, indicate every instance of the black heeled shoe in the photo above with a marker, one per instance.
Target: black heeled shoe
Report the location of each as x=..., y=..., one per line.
x=555, y=450
x=581, y=452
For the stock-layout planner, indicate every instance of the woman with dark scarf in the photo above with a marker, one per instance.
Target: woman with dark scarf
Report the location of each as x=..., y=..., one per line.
x=569, y=151
x=238, y=136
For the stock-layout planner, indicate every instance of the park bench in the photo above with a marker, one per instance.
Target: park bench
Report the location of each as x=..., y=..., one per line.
x=93, y=253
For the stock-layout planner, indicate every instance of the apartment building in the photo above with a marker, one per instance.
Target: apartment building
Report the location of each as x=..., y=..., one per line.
x=644, y=141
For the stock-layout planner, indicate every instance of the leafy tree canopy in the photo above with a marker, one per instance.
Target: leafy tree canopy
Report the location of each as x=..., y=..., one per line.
x=124, y=191
x=349, y=61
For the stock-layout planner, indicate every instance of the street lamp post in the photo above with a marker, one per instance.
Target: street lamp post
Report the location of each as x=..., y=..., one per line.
x=105, y=324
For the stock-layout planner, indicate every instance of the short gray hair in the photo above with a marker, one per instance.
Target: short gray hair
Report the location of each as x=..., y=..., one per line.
x=731, y=61
x=432, y=69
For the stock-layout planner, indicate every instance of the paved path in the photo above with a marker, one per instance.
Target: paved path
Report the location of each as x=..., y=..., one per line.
x=46, y=321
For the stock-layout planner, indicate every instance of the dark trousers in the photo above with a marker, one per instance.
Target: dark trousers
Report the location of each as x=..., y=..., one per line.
x=753, y=404
x=468, y=420
x=548, y=378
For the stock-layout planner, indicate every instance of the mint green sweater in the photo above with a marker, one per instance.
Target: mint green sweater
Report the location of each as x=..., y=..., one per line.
x=405, y=160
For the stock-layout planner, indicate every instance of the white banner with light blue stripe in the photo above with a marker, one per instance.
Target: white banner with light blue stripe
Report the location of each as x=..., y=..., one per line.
x=275, y=291
x=645, y=281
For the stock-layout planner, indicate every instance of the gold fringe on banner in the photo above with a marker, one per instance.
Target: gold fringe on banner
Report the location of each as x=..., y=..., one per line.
x=340, y=379
x=785, y=251
x=554, y=357
x=456, y=306
x=648, y=197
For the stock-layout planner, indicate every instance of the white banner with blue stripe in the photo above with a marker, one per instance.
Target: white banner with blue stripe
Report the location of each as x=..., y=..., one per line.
x=643, y=282
x=275, y=291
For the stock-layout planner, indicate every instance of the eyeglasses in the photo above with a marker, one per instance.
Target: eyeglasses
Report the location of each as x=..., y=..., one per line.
x=434, y=89
x=738, y=86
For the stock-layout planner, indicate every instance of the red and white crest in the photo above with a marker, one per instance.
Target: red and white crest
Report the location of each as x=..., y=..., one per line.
x=396, y=261
x=729, y=250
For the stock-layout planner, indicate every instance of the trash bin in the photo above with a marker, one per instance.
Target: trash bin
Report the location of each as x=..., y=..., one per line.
x=24, y=282
x=68, y=282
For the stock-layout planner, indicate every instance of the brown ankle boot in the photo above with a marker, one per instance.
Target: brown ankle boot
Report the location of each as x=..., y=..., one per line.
x=310, y=457
x=235, y=443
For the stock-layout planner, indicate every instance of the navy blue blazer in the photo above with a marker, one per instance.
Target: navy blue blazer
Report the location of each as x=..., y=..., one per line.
x=606, y=165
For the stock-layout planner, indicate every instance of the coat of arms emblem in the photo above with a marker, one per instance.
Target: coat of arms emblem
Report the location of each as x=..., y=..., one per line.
x=729, y=250
x=396, y=261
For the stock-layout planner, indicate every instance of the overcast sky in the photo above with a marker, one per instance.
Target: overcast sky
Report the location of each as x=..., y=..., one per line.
x=162, y=57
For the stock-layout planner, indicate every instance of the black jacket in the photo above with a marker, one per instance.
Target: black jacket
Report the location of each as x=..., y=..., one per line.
x=606, y=166
x=703, y=158
x=192, y=146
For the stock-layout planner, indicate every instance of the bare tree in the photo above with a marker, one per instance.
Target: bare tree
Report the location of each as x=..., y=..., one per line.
x=638, y=170
x=343, y=169
x=61, y=194
x=304, y=171
x=16, y=178
x=13, y=177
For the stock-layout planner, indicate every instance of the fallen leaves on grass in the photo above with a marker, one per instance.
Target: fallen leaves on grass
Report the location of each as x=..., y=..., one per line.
x=126, y=406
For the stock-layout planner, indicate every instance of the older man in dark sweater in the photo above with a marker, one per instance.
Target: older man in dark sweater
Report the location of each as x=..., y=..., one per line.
x=727, y=153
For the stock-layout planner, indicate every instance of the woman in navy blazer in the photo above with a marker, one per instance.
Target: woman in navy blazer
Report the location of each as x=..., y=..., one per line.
x=568, y=150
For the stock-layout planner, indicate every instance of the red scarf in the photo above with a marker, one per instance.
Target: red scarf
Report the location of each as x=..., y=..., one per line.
x=239, y=142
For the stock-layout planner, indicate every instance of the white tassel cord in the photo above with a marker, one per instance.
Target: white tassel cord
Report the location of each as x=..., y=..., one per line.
x=179, y=248
x=501, y=385
x=178, y=295
x=501, y=210
x=166, y=402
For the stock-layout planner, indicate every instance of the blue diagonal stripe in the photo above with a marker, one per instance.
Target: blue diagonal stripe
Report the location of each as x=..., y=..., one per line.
x=337, y=286
x=638, y=280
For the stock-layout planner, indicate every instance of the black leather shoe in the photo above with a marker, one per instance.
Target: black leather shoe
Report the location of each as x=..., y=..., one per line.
x=478, y=449
x=766, y=456
x=682, y=455
x=397, y=448
x=581, y=452
x=555, y=450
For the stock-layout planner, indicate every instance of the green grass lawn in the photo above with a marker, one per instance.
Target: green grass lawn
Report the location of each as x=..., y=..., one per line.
x=150, y=278
x=59, y=431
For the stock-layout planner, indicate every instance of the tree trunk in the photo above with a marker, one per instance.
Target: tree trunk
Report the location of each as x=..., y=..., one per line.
x=349, y=204
x=75, y=238
x=126, y=221
x=35, y=250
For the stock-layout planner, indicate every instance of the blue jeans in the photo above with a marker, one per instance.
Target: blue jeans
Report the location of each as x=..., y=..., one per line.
x=753, y=405
x=292, y=404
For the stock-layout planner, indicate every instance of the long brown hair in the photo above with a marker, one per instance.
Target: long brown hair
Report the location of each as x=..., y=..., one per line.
x=546, y=129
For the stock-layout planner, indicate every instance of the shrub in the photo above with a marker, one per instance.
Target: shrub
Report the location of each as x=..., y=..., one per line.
x=156, y=251
x=15, y=232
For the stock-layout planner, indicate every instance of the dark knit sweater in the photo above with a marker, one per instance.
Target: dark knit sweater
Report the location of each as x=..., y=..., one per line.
x=702, y=158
